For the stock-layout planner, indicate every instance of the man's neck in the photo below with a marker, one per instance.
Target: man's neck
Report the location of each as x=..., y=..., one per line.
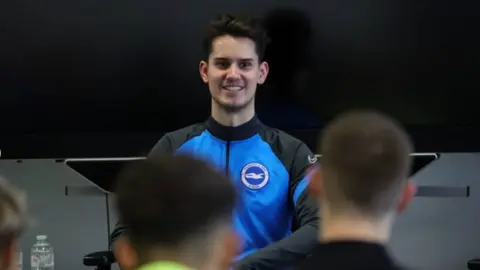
x=159, y=255
x=354, y=228
x=232, y=119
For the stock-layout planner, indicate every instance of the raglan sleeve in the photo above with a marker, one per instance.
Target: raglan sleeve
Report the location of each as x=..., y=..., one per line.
x=292, y=249
x=162, y=147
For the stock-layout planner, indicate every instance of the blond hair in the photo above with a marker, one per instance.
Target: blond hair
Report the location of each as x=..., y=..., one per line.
x=13, y=214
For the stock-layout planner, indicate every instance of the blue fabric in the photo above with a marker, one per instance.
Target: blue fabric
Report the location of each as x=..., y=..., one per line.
x=262, y=215
x=299, y=189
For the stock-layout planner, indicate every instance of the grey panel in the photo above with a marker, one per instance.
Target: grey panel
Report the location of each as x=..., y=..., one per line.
x=74, y=225
x=443, y=191
x=441, y=233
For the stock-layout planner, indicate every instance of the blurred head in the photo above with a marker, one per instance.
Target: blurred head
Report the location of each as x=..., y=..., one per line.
x=13, y=222
x=365, y=166
x=234, y=48
x=178, y=209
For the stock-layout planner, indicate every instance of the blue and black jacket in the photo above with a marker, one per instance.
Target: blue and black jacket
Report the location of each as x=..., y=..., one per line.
x=275, y=216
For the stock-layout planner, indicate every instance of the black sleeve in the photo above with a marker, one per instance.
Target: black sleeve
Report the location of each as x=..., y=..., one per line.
x=163, y=146
x=290, y=250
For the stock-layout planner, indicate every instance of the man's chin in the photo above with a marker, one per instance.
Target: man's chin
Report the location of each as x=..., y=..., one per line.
x=230, y=106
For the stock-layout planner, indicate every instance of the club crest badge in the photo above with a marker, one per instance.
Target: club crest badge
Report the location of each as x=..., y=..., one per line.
x=254, y=176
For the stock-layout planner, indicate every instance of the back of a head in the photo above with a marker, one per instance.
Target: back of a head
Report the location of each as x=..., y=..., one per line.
x=173, y=202
x=13, y=215
x=366, y=162
x=236, y=26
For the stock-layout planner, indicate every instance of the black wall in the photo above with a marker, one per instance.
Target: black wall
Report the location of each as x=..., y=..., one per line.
x=118, y=68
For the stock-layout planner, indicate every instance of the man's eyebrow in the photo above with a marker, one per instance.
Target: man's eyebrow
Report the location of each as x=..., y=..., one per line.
x=227, y=59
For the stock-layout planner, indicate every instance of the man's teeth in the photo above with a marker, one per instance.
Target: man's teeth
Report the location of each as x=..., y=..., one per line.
x=233, y=88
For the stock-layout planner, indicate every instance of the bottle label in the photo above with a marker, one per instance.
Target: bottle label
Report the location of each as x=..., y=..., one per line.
x=42, y=260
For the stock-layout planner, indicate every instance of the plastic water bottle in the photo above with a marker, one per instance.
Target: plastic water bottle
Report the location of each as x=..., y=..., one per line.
x=42, y=254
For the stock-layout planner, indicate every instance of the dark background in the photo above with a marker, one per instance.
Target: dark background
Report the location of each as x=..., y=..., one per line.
x=107, y=78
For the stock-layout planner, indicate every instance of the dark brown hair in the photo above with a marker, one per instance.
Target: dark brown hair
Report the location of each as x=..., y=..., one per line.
x=236, y=26
x=171, y=200
x=366, y=161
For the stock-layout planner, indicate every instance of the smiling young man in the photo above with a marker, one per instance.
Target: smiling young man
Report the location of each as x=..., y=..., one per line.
x=275, y=216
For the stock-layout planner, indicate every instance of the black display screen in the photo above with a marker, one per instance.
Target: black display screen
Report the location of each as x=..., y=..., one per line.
x=69, y=68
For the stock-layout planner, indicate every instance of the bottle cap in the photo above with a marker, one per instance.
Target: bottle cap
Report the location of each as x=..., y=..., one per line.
x=41, y=237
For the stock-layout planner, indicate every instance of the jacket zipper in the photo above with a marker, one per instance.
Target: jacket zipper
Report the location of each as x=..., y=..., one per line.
x=227, y=160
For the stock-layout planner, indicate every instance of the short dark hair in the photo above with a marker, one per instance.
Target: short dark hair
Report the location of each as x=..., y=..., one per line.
x=236, y=26
x=366, y=161
x=170, y=200
x=13, y=214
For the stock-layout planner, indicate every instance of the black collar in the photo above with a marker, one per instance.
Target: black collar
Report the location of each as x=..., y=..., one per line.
x=350, y=255
x=237, y=133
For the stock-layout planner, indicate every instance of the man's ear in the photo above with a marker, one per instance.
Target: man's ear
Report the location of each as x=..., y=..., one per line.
x=203, y=69
x=125, y=253
x=264, y=69
x=406, y=196
x=315, y=186
x=231, y=247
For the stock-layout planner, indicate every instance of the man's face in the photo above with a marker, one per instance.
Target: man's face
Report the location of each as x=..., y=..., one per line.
x=233, y=72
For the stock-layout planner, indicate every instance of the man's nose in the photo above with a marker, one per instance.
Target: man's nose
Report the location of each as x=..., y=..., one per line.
x=233, y=72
